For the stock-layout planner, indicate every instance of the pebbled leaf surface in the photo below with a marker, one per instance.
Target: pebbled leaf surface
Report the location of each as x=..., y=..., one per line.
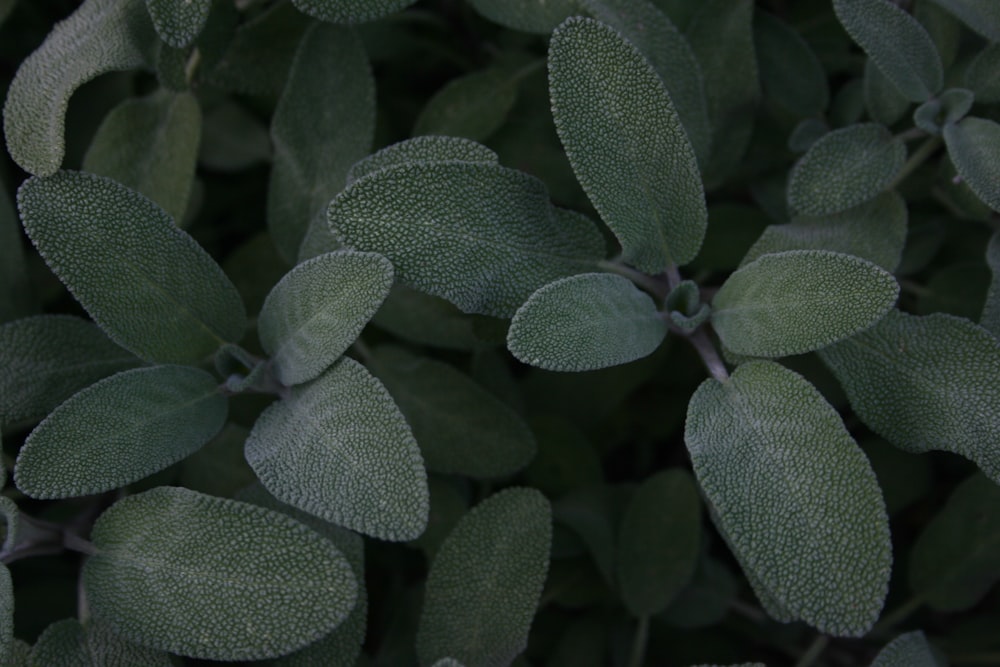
x=906, y=650
x=973, y=146
x=430, y=148
x=351, y=11
x=538, y=16
x=67, y=643
x=179, y=22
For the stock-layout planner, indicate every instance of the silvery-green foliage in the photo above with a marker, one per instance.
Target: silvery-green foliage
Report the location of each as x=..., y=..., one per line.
x=351, y=11
x=946, y=109
x=540, y=16
x=15, y=289
x=982, y=76
x=486, y=580
x=790, y=73
x=68, y=643
x=883, y=100
x=178, y=22
x=769, y=451
x=990, y=319
x=983, y=16
x=907, y=650
x=472, y=106
x=422, y=149
x=973, y=144
x=585, y=322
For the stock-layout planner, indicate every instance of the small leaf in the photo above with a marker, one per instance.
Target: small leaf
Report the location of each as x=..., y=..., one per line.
x=472, y=106
x=626, y=144
x=538, y=16
x=351, y=11
x=907, y=650
x=15, y=289
x=982, y=16
x=486, y=580
x=67, y=643
x=948, y=108
x=790, y=72
x=120, y=430
x=883, y=100
x=982, y=76
x=973, y=145
x=585, y=322
x=149, y=285
x=179, y=22
x=801, y=300
x=990, y=319
x=201, y=576
x=794, y=497
x=338, y=448
x=422, y=149
x=845, y=168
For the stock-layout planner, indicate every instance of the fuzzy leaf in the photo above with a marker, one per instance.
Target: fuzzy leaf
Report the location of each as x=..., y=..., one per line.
x=67, y=643
x=473, y=106
x=486, y=580
x=101, y=36
x=339, y=449
x=149, y=285
x=990, y=318
x=794, y=497
x=422, y=149
x=973, y=145
x=120, y=430
x=790, y=73
x=982, y=76
x=351, y=11
x=586, y=322
x=15, y=289
x=845, y=168
x=801, y=300
x=907, y=650
x=539, y=16
x=202, y=577
x=982, y=16
x=179, y=22
x=946, y=109
x=626, y=144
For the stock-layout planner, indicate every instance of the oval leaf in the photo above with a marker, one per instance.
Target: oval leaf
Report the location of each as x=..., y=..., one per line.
x=539, y=16
x=794, y=497
x=178, y=22
x=790, y=72
x=472, y=106
x=973, y=146
x=351, y=11
x=909, y=650
x=422, y=149
x=69, y=644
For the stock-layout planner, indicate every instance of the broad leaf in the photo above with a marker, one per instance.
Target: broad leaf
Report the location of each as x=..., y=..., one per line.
x=202, y=576
x=149, y=285
x=973, y=145
x=585, y=322
x=982, y=16
x=990, y=318
x=794, y=497
x=422, y=149
x=908, y=650
x=15, y=289
x=351, y=11
x=486, y=580
x=120, y=430
x=790, y=72
x=178, y=22
x=473, y=106
x=539, y=16
x=338, y=448
x=883, y=100
x=982, y=76
x=800, y=300
x=626, y=144
x=67, y=643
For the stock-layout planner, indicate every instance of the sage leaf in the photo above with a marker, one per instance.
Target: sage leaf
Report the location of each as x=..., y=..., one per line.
x=338, y=448
x=120, y=430
x=199, y=576
x=67, y=643
x=925, y=383
x=990, y=318
x=178, y=23
x=800, y=300
x=898, y=44
x=790, y=73
x=461, y=427
x=15, y=289
x=467, y=613
x=982, y=76
x=906, y=650
x=982, y=16
x=151, y=145
x=422, y=149
x=351, y=11
x=626, y=144
x=845, y=168
x=802, y=509
x=538, y=16
x=480, y=235
x=473, y=106
x=973, y=144
x=883, y=100
x=586, y=322
x=148, y=284
x=318, y=309
x=946, y=109
x=429, y=320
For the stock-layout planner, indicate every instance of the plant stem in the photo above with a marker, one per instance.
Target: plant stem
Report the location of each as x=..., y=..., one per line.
x=639, y=643
x=709, y=355
x=813, y=652
x=911, y=134
x=897, y=615
x=918, y=158
x=651, y=284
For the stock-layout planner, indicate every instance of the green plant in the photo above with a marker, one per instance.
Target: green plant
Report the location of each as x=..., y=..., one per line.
x=426, y=339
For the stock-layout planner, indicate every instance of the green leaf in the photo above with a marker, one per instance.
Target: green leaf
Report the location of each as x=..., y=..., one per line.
x=67, y=643
x=120, y=430
x=845, y=168
x=946, y=109
x=486, y=580
x=312, y=150
x=339, y=448
x=626, y=144
x=351, y=11
x=480, y=235
x=46, y=359
x=538, y=16
x=101, y=36
x=15, y=289
x=202, y=577
x=990, y=319
x=883, y=100
x=429, y=320
x=586, y=322
x=926, y=383
x=179, y=22
x=982, y=76
x=313, y=315
x=790, y=72
x=151, y=145
x=706, y=599
x=473, y=106
x=897, y=43
x=461, y=427
x=658, y=541
x=907, y=650
x=148, y=284
x=6, y=614
x=982, y=16
x=800, y=300
x=794, y=497
x=422, y=149
x=233, y=139
x=973, y=145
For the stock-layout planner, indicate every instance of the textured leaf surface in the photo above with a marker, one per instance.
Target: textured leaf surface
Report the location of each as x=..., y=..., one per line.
x=908, y=650
x=338, y=448
x=473, y=106
x=149, y=285
x=990, y=318
x=485, y=582
x=213, y=578
x=626, y=144
x=801, y=300
x=790, y=72
x=480, y=235
x=983, y=16
x=351, y=11
x=318, y=309
x=794, y=496
x=120, y=430
x=926, y=383
x=15, y=289
x=585, y=322
x=67, y=643
x=422, y=149
x=101, y=36
x=845, y=168
x=973, y=145
x=178, y=22
x=540, y=16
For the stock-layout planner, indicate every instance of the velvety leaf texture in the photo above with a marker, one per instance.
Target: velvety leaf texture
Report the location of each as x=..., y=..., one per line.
x=794, y=496
x=990, y=319
x=178, y=22
x=480, y=235
x=149, y=285
x=67, y=643
x=926, y=383
x=983, y=16
x=120, y=430
x=907, y=650
x=585, y=322
x=486, y=580
x=15, y=289
x=973, y=146
x=472, y=106
x=539, y=16
x=338, y=448
x=845, y=168
x=351, y=11
x=422, y=149
x=101, y=36
x=800, y=300
x=626, y=144
x=212, y=578
x=790, y=72
x=318, y=309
